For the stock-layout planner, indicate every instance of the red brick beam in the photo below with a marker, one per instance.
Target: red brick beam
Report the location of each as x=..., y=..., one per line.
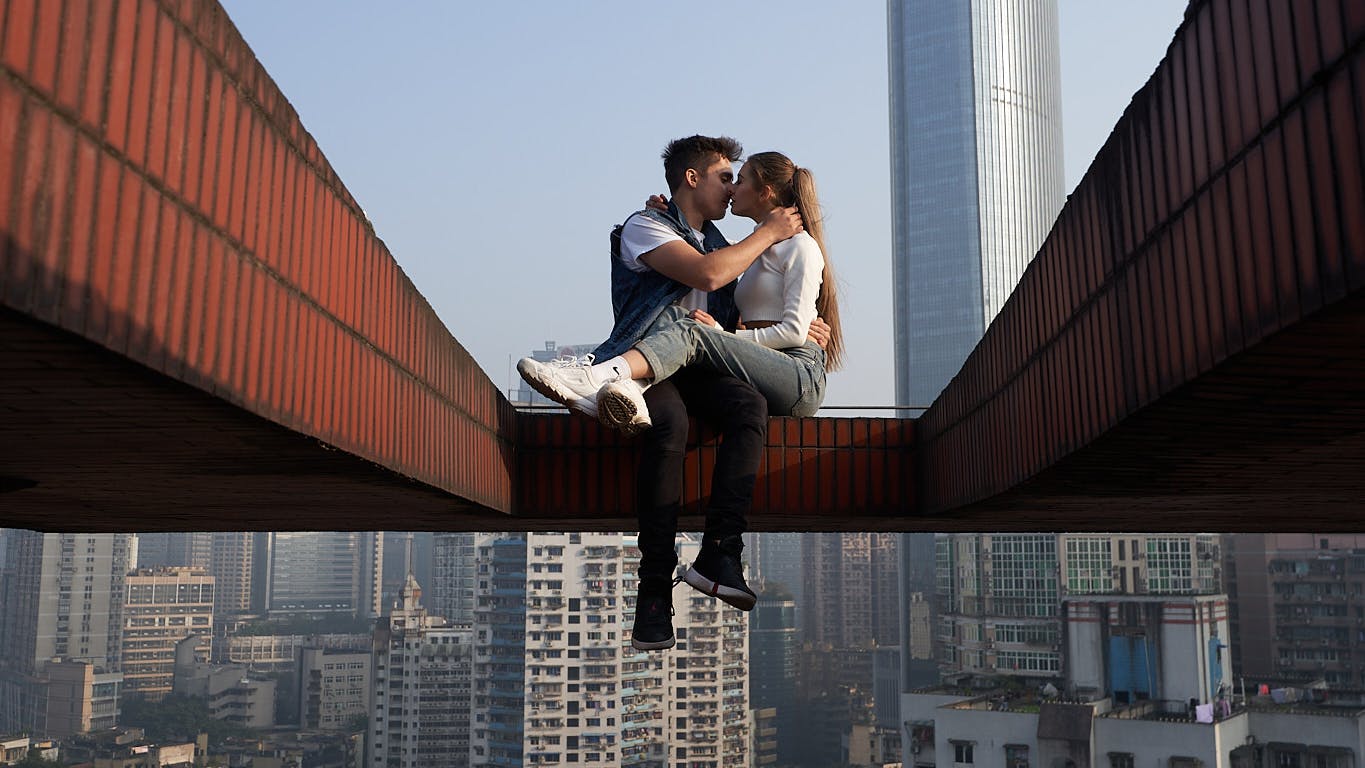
x=160, y=199
x=1187, y=349
x=818, y=474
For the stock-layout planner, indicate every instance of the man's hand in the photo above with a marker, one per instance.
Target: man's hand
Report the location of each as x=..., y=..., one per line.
x=781, y=223
x=819, y=332
x=657, y=202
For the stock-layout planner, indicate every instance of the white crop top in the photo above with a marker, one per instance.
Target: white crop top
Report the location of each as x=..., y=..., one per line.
x=781, y=286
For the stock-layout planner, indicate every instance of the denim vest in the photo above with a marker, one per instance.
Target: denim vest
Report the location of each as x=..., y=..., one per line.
x=637, y=298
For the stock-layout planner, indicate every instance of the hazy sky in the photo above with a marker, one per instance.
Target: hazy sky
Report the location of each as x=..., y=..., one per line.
x=495, y=144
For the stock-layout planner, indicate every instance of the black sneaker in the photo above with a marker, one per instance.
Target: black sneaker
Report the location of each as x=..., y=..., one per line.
x=653, y=630
x=717, y=572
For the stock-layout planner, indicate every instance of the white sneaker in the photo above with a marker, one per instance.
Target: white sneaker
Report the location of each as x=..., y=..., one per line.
x=621, y=406
x=567, y=381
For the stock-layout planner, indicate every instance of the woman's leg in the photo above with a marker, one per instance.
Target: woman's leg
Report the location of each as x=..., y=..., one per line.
x=791, y=380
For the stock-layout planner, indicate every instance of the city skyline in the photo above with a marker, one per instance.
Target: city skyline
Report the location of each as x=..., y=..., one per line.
x=1052, y=648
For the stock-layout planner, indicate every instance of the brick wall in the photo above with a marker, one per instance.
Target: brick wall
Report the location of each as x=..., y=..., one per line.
x=161, y=198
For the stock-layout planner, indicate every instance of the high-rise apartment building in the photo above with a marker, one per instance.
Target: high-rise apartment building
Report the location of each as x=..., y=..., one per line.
x=62, y=598
x=233, y=565
x=153, y=549
x=1147, y=683
x=161, y=607
x=507, y=688
x=773, y=659
x=421, y=689
x=1000, y=595
x=707, y=715
x=193, y=548
x=452, y=577
x=1296, y=606
x=851, y=589
x=775, y=558
x=557, y=682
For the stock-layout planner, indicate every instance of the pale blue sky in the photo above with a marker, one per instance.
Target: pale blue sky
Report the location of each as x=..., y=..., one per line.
x=494, y=144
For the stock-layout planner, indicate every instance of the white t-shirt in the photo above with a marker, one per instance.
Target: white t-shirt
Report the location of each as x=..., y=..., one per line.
x=642, y=234
x=781, y=287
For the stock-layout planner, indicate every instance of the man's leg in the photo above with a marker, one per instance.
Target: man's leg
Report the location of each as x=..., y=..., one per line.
x=658, y=489
x=740, y=413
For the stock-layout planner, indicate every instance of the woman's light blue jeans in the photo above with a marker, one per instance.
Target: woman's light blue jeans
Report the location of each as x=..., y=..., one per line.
x=792, y=380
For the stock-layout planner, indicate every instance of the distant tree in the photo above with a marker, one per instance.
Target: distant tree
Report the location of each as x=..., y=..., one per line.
x=336, y=624
x=35, y=759
x=286, y=698
x=180, y=718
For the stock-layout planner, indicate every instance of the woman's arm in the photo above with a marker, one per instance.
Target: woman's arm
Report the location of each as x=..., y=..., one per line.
x=803, y=266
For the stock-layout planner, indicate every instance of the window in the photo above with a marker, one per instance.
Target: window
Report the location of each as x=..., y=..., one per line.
x=1016, y=756
x=962, y=752
x=1120, y=760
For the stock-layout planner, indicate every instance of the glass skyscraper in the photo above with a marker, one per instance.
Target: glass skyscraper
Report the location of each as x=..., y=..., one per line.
x=976, y=182
x=976, y=170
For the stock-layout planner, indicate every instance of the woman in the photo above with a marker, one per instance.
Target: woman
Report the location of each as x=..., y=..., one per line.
x=778, y=296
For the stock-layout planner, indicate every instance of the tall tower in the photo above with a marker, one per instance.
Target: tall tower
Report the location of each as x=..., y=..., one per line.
x=232, y=565
x=420, y=688
x=976, y=182
x=976, y=171
x=62, y=598
x=452, y=576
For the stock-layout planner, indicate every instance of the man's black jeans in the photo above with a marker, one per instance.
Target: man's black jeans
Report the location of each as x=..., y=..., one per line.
x=740, y=414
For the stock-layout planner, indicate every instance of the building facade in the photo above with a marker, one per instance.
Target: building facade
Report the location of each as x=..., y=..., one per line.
x=420, y=689
x=334, y=688
x=775, y=558
x=851, y=588
x=557, y=682
x=452, y=574
x=1000, y=595
x=80, y=699
x=62, y=599
x=317, y=573
x=232, y=693
x=1146, y=683
x=161, y=607
x=233, y=564
x=1297, y=606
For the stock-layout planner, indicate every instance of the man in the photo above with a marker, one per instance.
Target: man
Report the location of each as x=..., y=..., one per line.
x=664, y=264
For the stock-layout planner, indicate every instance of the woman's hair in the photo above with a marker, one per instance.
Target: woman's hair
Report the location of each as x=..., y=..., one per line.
x=793, y=185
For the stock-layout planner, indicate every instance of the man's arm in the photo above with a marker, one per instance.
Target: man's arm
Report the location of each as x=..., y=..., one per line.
x=709, y=271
